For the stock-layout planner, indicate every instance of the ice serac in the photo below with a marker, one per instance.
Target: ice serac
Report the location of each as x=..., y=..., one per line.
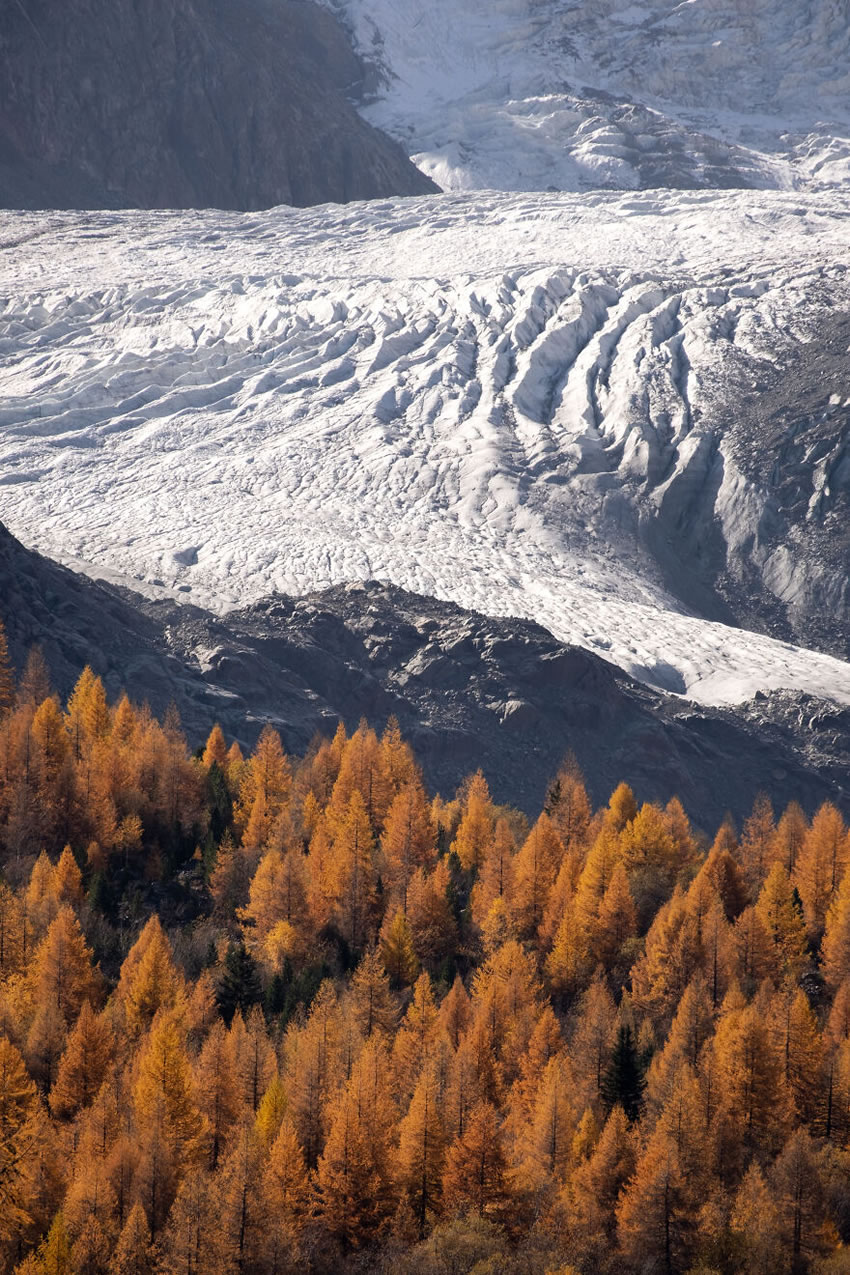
x=622, y=416
x=575, y=94
x=185, y=103
x=462, y=685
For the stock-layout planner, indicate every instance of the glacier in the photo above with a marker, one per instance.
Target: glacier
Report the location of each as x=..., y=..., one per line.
x=543, y=94
x=533, y=404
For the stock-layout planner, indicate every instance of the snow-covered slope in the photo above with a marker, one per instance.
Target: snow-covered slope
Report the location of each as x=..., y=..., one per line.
x=529, y=405
x=535, y=94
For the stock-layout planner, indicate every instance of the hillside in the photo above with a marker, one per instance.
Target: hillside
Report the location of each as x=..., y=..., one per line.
x=461, y=684
x=285, y=1013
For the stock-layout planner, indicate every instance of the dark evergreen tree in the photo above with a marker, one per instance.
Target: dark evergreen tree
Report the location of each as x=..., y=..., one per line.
x=554, y=794
x=461, y=882
x=624, y=1080
x=7, y=676
x=219, y=802
x=279, y=997
x=239, y=985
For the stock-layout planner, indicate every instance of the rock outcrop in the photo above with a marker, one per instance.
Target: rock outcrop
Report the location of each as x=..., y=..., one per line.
x=185, y=103
x=467, y=689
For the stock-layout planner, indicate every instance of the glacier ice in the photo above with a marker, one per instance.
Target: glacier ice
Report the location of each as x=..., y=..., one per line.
x=486, y=398
x=543, y=94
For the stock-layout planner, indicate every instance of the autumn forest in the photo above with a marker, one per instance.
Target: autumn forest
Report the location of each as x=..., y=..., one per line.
x=262, y=1014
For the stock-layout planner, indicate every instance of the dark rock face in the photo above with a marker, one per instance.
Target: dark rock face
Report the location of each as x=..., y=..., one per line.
x=185, y=103
x=467, y=689
x=784, y=420
x=77, y=621
x=793, y=438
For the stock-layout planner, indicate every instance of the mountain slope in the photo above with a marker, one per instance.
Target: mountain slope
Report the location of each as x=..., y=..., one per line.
x=623, y=417
x=184, y=103
x=537, y=94
x=466, y=689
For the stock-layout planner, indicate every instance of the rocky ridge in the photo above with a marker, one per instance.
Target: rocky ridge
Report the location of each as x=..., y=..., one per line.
x=466, y=688
x=185, y=104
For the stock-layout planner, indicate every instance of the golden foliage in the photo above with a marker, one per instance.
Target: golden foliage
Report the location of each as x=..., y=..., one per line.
x=433, y=1007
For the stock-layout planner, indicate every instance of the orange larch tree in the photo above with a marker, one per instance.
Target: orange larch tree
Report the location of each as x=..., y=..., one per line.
x=533, y=874
x=475, y=831
x=356, y=877
x=421, y=1149
x=820, y=866
x=84, y=1064
x=835, y=948
x=408, y=841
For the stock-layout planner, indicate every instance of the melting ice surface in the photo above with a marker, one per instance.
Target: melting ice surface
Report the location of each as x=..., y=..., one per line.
x=478, y=397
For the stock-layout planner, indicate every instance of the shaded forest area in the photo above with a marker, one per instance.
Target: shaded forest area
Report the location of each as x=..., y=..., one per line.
x=268, y=1014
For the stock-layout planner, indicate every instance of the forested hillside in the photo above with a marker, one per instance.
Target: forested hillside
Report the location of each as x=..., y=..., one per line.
x=270, y=1014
